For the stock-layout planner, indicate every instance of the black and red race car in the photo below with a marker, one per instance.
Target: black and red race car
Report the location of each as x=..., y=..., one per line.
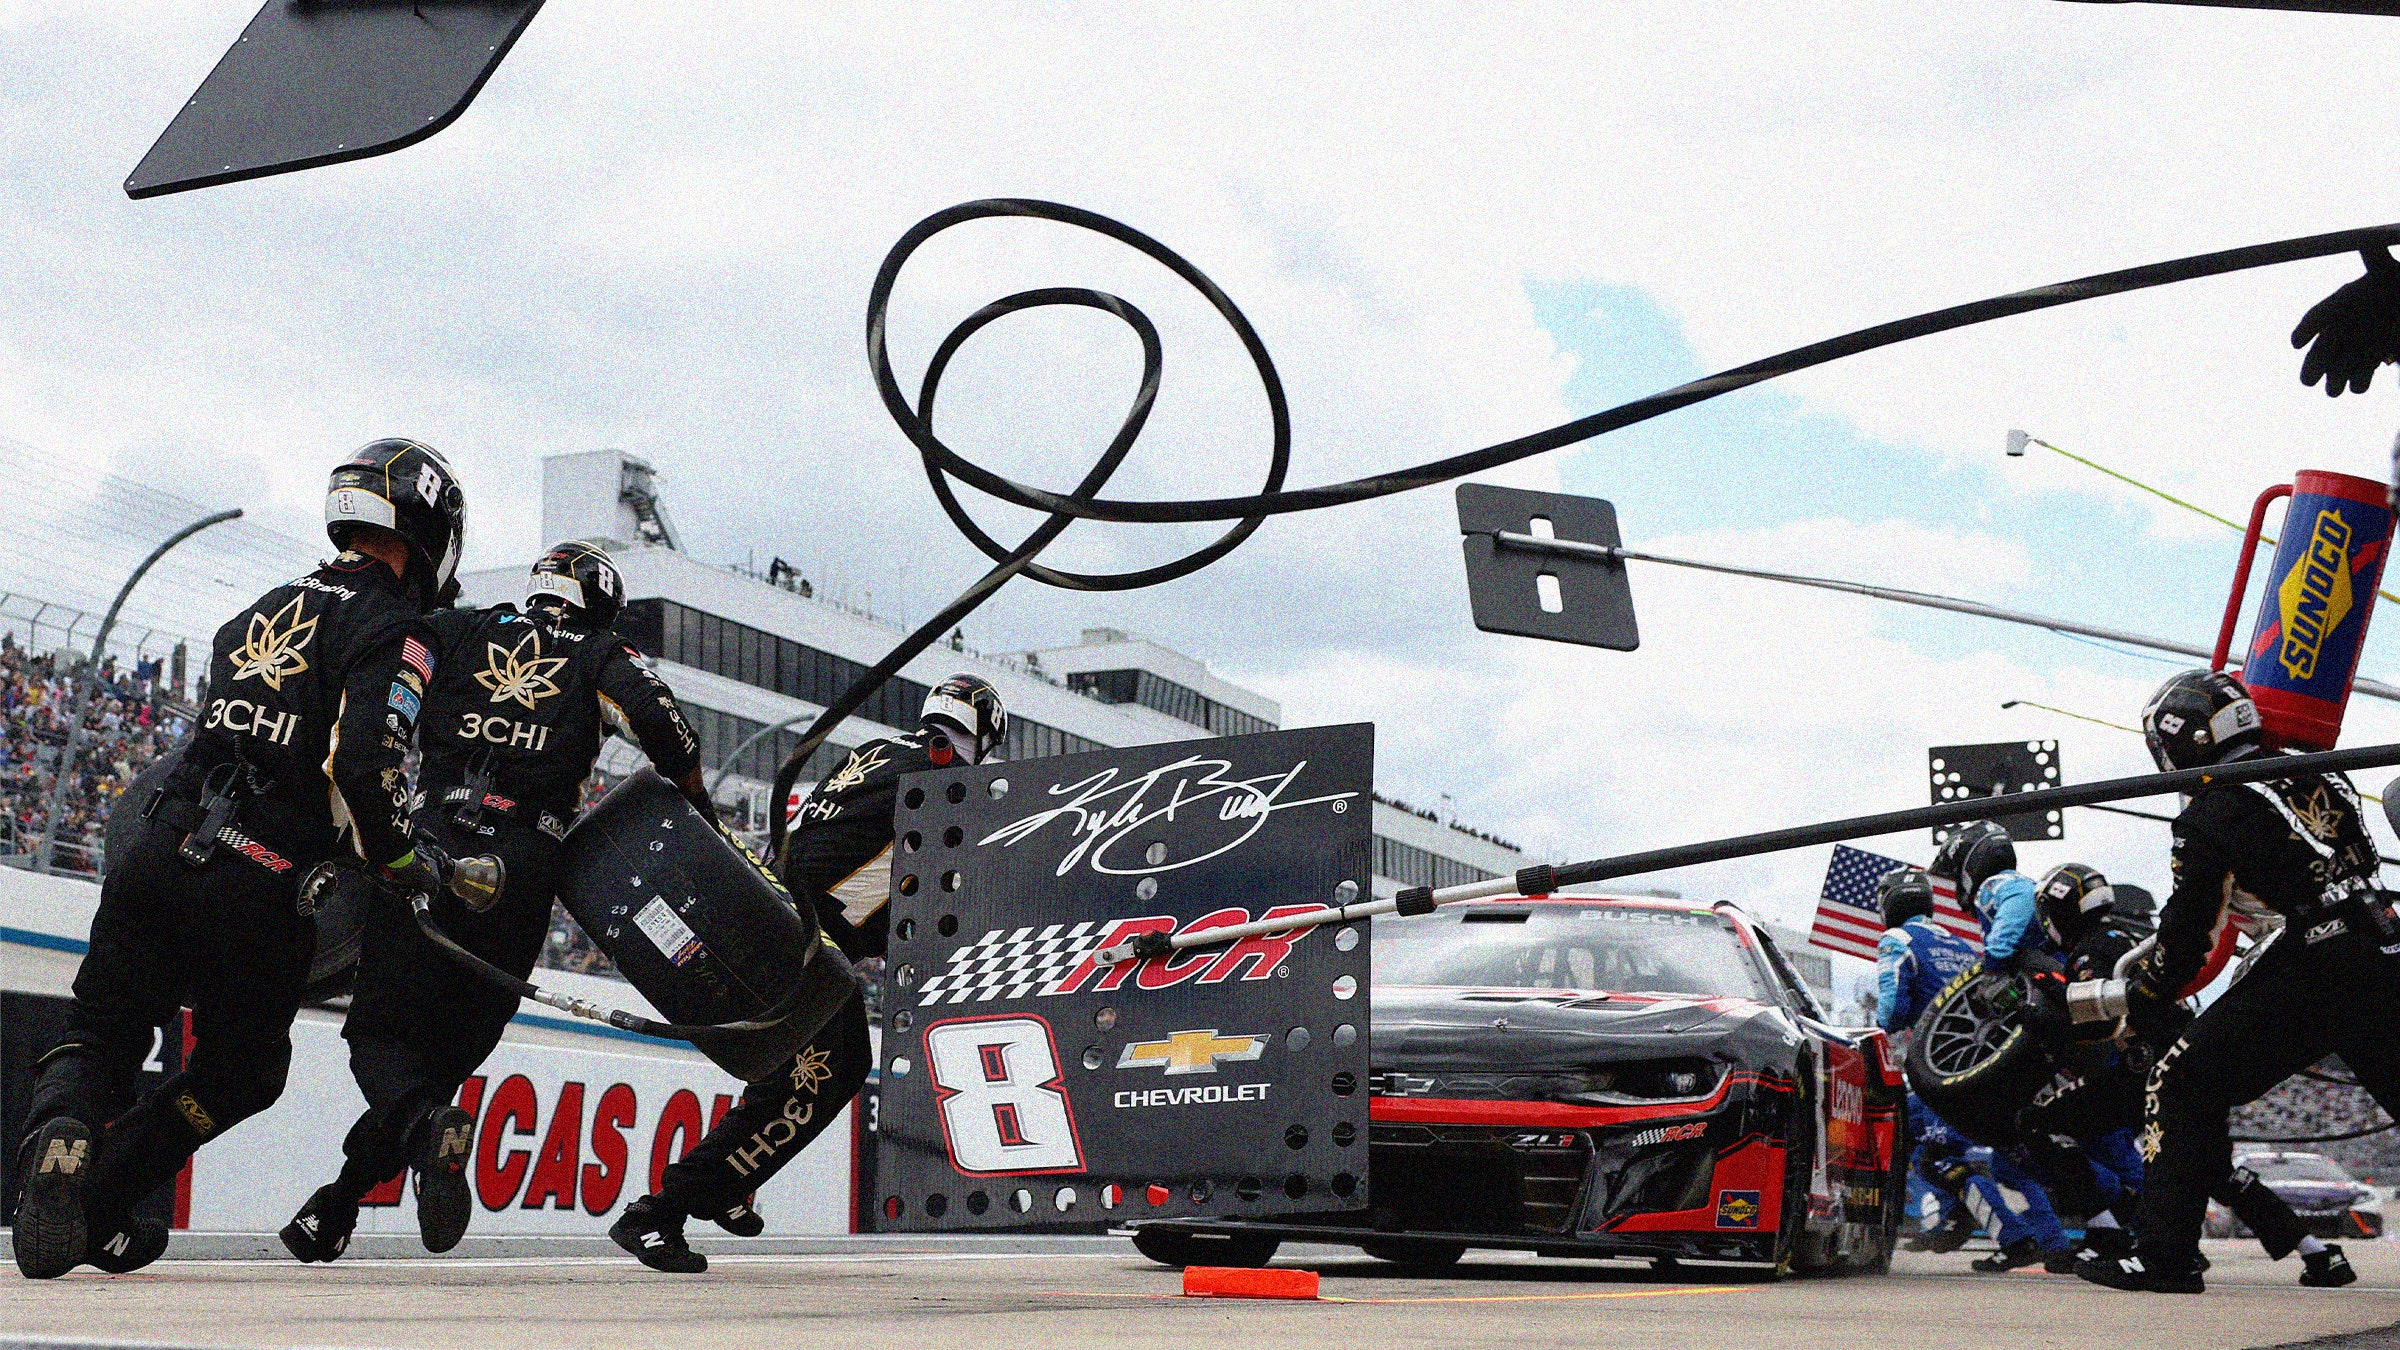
x=1598, y=1076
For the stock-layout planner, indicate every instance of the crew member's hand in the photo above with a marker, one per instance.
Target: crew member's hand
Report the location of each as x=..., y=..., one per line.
x=2154, y=1016
x=2354, y=330
x=422, y=870
x=695, y=791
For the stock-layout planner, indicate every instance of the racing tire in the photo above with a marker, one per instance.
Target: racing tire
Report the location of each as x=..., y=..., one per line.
x=1423, y=1254
x=1975, y=1057
x=1799, y=1251
x=1204, y=1249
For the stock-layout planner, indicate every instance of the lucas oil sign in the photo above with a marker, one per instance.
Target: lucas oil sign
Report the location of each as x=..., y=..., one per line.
x=1026, y=1083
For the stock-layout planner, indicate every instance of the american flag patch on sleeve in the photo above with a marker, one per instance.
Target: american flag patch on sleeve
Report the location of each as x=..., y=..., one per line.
x=414, y=656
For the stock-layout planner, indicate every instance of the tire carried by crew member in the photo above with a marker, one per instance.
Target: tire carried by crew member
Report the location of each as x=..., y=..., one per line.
x=313, y=696
x=838, y=859
x=512, y=723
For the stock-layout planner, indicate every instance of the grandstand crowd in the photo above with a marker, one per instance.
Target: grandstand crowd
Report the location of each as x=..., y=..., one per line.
x=131, y=718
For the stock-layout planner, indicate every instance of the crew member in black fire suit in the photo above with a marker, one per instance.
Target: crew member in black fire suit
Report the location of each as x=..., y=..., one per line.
x=839, y=856
x=2327, y=981
x=511, y=728
x=313, y=700
x=2080, y=1126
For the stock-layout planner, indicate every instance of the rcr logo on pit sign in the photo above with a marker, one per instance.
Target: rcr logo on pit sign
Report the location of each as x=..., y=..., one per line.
x=1043, y=962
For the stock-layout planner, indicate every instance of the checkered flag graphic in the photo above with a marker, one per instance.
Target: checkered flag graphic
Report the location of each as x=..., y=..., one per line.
x=1013, y=962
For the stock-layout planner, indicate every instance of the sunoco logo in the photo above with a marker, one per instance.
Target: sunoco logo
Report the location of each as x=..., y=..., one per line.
x=2315, y=595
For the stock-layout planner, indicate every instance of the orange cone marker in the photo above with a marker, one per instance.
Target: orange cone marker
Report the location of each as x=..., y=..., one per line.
x=1241, y=1282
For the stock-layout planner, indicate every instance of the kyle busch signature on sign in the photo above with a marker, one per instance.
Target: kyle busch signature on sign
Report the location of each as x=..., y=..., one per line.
x=1027, y=1084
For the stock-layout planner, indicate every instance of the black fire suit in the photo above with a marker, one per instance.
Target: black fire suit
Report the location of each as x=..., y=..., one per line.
x=313, y=700
x=2098, y=1090
x=511, y=728
x=839, y=857
x=2327, y=982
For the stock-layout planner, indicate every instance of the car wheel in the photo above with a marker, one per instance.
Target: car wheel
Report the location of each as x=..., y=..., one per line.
x=1797, y=1250
x=1974, y=1056
x=1204, y=1249
x=1415, y=1253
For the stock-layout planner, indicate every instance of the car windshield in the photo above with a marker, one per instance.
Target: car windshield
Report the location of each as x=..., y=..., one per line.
x=2296, y=1167
x=1613, y=948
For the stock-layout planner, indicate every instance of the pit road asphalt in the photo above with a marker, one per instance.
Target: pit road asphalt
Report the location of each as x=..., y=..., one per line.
x=1064, y=1293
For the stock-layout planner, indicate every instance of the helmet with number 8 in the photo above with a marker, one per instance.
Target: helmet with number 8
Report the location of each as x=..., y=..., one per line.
x=405, y=487
x=969, y=706
x=2070, y=896
x=579, y=578
x=2200, y=717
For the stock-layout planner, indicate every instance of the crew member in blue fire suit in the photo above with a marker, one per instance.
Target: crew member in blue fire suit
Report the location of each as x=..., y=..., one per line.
x=1913, y=961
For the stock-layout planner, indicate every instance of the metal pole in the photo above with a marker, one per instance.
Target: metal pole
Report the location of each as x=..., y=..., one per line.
x=725, y=765
x=1543, y=879
x=1574, y=548
x=83, y=684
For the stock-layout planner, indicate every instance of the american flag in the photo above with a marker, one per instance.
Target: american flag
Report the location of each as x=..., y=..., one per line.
x=416, y=658
x=1847, y=919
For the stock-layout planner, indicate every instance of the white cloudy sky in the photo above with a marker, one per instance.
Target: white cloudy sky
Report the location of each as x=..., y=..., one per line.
x=1452, y=224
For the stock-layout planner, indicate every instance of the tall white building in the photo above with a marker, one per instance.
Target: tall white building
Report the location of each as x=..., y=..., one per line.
x=744, y=653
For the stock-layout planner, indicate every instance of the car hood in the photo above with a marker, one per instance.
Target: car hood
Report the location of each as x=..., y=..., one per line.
x=1422, y=1027
x=2315, y=1194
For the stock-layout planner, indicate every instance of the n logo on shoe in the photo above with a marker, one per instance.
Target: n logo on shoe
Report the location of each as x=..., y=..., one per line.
x=116, y=1246
x=455, y=1142
x=65, y=1155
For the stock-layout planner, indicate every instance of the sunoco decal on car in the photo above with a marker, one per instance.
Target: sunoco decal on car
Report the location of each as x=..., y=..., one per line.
x=1737, y=1209
x=1014, y=963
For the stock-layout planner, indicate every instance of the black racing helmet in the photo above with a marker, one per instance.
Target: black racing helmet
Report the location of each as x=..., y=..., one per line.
x=2199, y=717
x=2070, y=896
x=405, y=487
x=1973, y=854
x=577, y=577
x=1904, y=893
x=969, y=706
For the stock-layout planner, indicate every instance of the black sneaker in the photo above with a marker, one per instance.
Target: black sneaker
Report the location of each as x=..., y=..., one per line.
x=128, y=1247
x=2061, y=1260
x=321, y=1230
x=2128, y=1273
x=2015, y=1255
x=655, y=1239
x=443, y=1204
x=742, y=1221
x=50, y=1232
x=2106, y=1242
x=2328, y=1269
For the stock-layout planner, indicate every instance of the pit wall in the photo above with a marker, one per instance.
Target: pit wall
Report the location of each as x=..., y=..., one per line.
x=573, y=1120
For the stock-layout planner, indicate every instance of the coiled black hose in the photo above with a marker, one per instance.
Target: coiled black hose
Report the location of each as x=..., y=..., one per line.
x=1084, y=503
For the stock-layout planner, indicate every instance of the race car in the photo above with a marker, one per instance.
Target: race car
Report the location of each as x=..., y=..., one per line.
x=2330, y=1202
x=1588, y=1076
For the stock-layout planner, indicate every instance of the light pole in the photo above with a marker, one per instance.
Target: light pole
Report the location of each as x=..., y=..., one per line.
x=83, y=685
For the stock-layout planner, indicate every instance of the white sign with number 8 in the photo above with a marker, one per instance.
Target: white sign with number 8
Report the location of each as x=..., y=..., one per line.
x=1003, y=1106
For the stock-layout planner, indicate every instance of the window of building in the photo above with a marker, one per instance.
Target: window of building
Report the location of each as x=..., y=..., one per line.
x=1177, y=701
x=1413, y=866
x=688, y=637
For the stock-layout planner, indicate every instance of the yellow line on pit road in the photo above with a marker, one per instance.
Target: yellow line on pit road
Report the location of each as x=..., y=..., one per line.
x=1548, y=1298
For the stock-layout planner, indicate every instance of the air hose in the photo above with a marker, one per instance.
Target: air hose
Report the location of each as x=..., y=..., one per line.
x=943, y=463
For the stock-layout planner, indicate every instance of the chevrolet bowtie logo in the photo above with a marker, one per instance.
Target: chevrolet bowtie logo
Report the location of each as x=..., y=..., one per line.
x=1191, y=1051
x=519, y=674
x=271, y=647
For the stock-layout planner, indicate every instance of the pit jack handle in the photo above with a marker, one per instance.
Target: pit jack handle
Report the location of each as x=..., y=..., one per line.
x=2241, y=572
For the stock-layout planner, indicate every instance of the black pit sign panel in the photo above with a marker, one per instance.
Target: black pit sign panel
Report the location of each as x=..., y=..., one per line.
x=1027, y=1084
